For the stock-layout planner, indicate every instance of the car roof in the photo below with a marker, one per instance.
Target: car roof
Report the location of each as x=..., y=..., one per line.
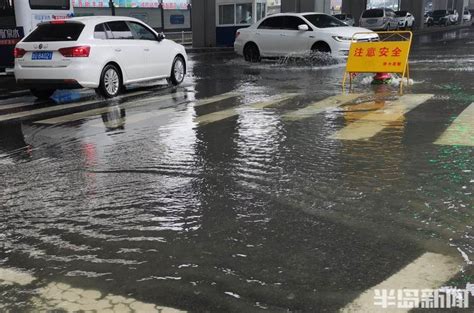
x=296, y=14
x=102, y=19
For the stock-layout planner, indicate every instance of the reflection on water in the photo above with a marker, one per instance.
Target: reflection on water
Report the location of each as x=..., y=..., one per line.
x=250, y=212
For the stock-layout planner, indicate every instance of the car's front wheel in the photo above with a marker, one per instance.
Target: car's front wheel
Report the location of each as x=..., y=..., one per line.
x=110, y=82
x=178, y=71
x=321, y=47
x=42, y=94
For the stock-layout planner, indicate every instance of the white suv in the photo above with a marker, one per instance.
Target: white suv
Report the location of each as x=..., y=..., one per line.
x=99, y=52
x=297, y=34
x=405, y=19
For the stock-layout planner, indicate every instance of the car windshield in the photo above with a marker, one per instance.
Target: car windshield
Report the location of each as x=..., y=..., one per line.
x=56, y=32
x=372, y=13
x=324, y=21
x=401, y=13
x=340, y=16
x=439, y=13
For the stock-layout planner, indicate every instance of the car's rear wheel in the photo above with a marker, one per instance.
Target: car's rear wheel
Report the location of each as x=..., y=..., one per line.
x=42, y=94
x=178, y=71
x=110, y=82
x=252, y=53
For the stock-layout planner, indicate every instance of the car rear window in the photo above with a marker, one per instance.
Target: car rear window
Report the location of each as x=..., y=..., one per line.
x=372, y=13
x=56, y=32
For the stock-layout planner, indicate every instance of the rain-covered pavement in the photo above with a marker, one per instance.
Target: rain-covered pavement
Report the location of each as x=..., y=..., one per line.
x=251, y=188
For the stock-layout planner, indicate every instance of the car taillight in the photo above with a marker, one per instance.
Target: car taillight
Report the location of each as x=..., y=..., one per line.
x=237, y=34
x=19, y=53
x=76, y=52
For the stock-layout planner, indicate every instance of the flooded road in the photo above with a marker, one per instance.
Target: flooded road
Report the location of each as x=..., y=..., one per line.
x=250, y=188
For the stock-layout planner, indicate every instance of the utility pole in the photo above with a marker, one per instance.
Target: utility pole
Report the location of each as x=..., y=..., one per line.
x=112, y=7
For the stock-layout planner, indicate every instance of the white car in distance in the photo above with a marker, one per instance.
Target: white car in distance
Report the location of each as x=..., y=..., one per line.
x=405, y=19
x=297, y=34
x=101, y=52
x=379, y=19
x=466, y=16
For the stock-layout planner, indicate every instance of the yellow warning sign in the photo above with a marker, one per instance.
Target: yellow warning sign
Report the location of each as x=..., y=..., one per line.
x=389, y=55
x=378, y=57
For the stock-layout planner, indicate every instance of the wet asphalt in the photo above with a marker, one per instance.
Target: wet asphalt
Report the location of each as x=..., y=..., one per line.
x=151, y=196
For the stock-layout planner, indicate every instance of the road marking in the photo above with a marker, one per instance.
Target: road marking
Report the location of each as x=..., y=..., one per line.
x=62, y=296
x=461, y=131
x=217, y=98
x=320, y=106
x=221, y=115
x=429, y=271
x=9, y=277
x=371, y=124
x=81, y=115
x=20, y=91
x=56, y=108
x=133, y=119
x=21, y=105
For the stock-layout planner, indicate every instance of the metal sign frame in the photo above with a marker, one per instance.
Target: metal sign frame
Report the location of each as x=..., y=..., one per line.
x=388, y=37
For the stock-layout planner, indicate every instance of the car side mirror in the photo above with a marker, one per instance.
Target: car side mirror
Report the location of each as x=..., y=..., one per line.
x=161, y=36
x=303, y=28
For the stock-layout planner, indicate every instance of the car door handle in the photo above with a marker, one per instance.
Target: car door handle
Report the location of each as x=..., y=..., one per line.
x=118, y=50
x=282, y=35
x=146, y=49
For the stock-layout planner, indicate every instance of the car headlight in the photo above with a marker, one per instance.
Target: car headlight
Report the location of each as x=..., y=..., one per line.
x=341, y=38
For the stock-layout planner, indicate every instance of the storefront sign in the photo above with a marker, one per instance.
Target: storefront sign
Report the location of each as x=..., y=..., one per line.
x=9, y=36
x=118, y=3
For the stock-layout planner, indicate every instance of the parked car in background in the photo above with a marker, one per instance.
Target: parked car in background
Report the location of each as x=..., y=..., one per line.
x=453, y=17
x=467, y=16
x=429, y=18
x=441, y=17
x=297, y=34
x=379, y=19
x=405, y=19
x=99, y=52
x=346, y=18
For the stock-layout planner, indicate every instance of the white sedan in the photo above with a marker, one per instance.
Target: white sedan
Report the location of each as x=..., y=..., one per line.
x=101, y=52
x=297, y=33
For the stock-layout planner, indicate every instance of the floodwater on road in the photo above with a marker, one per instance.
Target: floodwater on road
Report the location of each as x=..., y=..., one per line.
x=250, y=188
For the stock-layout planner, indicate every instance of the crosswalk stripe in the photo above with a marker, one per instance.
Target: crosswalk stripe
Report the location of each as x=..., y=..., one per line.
x=221, y=115
x=13, y=100
x=217, y=98
x=461, y=131
x=135, y=118
x=81, y=115
x=56, y=108
x=320, y=106
x=430, y=271
x=373, y=123
x=17, y=105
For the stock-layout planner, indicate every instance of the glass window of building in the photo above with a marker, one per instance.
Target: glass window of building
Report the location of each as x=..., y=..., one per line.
x=261, y=11
x=243, y=13
x=226, y=14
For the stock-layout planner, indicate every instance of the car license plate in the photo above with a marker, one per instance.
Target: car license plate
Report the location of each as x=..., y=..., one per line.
x=42, y=55
x=374, y=21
